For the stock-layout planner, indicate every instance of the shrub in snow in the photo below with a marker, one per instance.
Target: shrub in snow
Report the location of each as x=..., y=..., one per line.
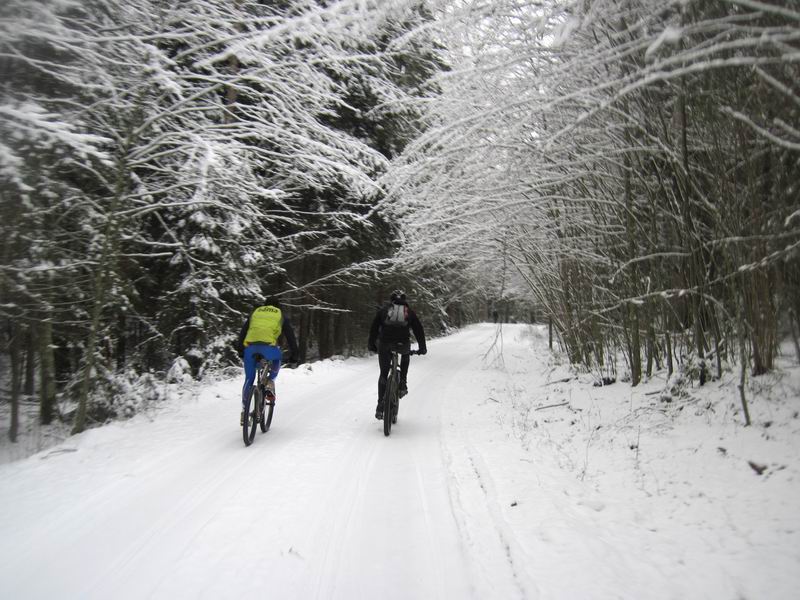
x=122, y=395
x=694, y=367
x=217, y=355
x=603, y=381
x=676, y=388
x=180, y=371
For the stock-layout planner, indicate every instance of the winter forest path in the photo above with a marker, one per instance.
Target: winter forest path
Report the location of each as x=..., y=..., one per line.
x=323, y=506
x=470, y=497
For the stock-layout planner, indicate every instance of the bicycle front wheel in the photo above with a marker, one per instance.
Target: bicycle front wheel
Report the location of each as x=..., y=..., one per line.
x=250, y=422
x=267, y=406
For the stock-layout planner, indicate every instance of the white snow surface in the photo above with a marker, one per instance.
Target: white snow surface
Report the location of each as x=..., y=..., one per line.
x=506, y=476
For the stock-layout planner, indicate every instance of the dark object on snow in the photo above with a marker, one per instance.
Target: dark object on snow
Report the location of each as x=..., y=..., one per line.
x=756, y=467
x=552, y=406
x=605, y=381
x=565, y=380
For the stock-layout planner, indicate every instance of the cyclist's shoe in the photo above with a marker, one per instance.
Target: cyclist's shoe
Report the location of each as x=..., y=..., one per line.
x=270, y=389
x=379, y=411
x=403, y=389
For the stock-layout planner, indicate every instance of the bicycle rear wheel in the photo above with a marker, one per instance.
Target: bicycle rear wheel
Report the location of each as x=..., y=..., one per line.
x=388, y=397
x=250, y=422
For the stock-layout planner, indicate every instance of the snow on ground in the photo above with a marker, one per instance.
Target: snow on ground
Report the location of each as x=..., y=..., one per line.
x=506, y=476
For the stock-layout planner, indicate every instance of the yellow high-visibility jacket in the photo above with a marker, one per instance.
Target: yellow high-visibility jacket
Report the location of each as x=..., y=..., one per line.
x=266, y=324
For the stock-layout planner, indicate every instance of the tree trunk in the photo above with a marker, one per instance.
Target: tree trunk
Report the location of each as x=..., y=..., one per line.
x=633, y=313
x=743, y=365
x=324, y=334
x=696, y=274
x=341, y=322
x=340, y=333
x=122, y=348
x=717, y=344
x=795, y=327
x=635, y=346
x=16, y=367
x=47, y=390
x=304, y=332
x=30, y=360
x=668, y=344
x=650, y=349
x=101, y=278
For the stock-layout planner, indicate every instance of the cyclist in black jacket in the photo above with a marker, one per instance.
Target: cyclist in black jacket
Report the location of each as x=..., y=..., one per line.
x=390, y=326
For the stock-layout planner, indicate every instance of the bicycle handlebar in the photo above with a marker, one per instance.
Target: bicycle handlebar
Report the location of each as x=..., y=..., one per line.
x=398, y=349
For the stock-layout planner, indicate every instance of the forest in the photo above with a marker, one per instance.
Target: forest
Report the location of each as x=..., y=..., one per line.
x=625, y=171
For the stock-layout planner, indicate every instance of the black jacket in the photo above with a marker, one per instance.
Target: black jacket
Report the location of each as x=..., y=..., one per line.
x=387, y=334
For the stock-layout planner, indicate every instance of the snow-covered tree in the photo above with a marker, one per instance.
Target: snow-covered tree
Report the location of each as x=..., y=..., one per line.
x=189, y=157
x=642, y=156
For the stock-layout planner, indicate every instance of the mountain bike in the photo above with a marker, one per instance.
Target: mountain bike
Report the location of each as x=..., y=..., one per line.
x=391, y=395
x=260, y=403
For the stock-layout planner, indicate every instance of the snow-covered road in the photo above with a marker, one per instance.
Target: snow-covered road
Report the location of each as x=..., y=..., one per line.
x=497, y=482
x=322, y=506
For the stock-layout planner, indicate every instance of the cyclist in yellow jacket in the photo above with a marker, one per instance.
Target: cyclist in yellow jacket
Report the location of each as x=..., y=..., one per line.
x=258, y=338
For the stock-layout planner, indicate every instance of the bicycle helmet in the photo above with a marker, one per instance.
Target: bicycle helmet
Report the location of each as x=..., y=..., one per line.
x=398, y=296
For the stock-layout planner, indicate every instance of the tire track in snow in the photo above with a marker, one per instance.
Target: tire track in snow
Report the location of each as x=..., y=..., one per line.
x=340, y=516
x=489, y=543
x=460, y=366
x=507, y=539
x=433, y=542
